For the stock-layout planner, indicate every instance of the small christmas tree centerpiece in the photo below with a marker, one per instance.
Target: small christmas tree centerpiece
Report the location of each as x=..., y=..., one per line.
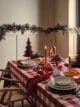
x=28, y=51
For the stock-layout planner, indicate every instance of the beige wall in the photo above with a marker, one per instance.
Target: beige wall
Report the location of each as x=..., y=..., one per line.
x=61, y=17
x=47, y=12
x=65, y=14
x=20, y=12
x=54, y=12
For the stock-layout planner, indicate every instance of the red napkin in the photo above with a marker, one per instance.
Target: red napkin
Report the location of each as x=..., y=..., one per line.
x=45, y=76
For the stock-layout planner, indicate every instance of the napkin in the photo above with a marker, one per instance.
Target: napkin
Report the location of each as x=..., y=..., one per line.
x=45, y=76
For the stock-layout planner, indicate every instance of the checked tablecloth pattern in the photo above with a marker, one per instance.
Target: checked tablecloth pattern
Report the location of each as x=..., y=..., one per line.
x=28, y=78
x=44, y=98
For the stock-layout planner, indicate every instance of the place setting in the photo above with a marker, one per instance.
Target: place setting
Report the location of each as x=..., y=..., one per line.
x=28, y=64
x=63, y=85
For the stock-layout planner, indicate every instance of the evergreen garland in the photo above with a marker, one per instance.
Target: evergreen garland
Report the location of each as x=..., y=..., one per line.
x=26, y=27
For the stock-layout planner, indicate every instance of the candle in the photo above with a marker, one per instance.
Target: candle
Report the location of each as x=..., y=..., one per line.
x=45, y=50
x=54, y=49
x=51, y=52
x=41, y=60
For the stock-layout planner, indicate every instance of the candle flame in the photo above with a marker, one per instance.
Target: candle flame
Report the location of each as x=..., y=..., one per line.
x=45, y=47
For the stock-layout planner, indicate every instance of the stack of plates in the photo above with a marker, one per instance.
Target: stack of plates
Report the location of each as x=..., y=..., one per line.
x=62, y=83
x=28, y=64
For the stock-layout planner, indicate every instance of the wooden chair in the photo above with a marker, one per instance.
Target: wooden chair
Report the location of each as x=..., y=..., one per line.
x=5, y=96
x=10, y=94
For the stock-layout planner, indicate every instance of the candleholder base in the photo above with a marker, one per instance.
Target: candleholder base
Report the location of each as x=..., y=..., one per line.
x=75, y=64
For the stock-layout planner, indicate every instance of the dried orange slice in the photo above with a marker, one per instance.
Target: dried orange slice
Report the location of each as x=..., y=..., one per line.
x=71, y=72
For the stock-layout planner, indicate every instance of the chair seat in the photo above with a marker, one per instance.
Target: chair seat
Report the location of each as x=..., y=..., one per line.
x=3, y=105
x=17, y=96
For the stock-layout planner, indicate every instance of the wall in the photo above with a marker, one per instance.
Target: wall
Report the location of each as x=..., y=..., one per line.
x=61, y=17
x=55, y=12
x=65, y=14
x=20, y=12
x=47, y=20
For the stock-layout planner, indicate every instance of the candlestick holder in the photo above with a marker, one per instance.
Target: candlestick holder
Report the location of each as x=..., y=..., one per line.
x=45, y=56
x=76, y=61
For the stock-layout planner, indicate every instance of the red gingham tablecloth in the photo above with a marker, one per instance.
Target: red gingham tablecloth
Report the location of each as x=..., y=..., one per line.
x=46, y=98
x=28, y=78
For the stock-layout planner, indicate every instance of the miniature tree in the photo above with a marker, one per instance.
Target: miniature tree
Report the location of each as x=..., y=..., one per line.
x=28, y=51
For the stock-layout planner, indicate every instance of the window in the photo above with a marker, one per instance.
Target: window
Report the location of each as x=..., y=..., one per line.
x=78, y=23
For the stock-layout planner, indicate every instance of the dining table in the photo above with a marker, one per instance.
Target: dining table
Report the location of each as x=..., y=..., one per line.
x=36, y=89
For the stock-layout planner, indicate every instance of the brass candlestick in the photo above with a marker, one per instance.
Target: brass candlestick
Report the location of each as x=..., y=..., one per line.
x=69, y=65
